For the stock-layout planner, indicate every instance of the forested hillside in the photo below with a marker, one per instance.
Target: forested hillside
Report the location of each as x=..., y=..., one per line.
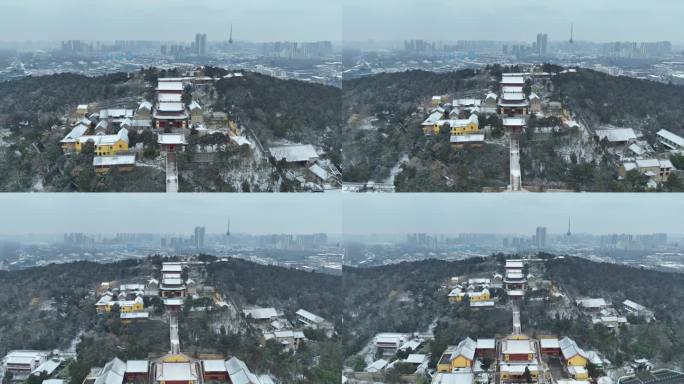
x=396, y=92
x=404, y=297
x=46, y=307
x=43, y=100
x=391, y=100
x=622, y=100
x=289, y=289
x=289, y=109
x=663, y=292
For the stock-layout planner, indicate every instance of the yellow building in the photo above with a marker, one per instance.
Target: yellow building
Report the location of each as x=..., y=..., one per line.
x=105, y=304
x=518, y=354
x=431, y=129
x=433, y=123
x=572, y=354
x=482, y=295
x=69, y=141
x=176, y=368
x=516, y=372
x=516, y=349
x=578, y=372
x=456, y=295
x=465, y=126
x=105, y=145
x=458, y=356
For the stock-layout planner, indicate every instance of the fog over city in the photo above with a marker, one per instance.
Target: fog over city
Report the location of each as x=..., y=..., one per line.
x=159, y=213
x=258, y=20
x=595, y=213
x=449, y=20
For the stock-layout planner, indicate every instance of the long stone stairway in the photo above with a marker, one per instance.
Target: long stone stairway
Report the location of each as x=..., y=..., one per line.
x=515, y=174
x=171, y=173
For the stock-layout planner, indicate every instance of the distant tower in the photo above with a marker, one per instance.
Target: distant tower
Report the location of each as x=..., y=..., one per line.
x=230, y=38
x=572, y=33
x=569, y=233
x=228, y=227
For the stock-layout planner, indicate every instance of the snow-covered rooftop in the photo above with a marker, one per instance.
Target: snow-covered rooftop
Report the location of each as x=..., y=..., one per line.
x=616, y=135
x=172, y=138
x=294, y=153
x=109, y=161
x=170, y=86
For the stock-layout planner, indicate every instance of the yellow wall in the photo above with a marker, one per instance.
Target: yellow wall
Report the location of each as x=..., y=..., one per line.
x=577, y=361
x=106, y=150
x=431, y=129
x=582, y=376
x=455, y=299
x=176, y=359
x=506, y=375
x=473, y=297
x=443, y=368
x=460, y=362
x=484, y=296
x=135, y=307
x=470, y=128
x=507, y=357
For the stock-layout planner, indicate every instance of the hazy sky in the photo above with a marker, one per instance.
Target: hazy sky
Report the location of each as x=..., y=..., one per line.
x=163, y=213
x=521, y=20
x=255, y=20
x=513, y=213
x=337, y=212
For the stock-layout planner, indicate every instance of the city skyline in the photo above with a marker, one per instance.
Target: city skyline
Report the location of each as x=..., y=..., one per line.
x=166, y=214
x=506, y=214
x=604, y=21
x=350, y=214
x=297, y=20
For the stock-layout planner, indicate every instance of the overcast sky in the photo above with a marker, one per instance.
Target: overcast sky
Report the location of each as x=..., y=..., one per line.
x=520, y=20
x=337, y=212
x=508, y=213
x=254, y=20
x=163, y=213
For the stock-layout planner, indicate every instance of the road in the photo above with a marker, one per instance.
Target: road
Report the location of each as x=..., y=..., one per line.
x=171, y=173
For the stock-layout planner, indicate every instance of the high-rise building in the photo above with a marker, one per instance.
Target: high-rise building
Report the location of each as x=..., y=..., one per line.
x=540, y=237
x=199, y=237
x=200, y=44
x=542, y=44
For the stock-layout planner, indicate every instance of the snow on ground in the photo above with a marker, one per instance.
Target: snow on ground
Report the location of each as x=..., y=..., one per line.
x=38, y=185
x=154, y=165
x=171, y=174
x=396, y=169
x=4, y=134
x=258, y=175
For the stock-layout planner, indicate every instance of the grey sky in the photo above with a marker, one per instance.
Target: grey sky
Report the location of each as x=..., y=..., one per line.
x=254, y=20
x=521, y=20
x=513, y=213
x=336, y=213
x=161, y=213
